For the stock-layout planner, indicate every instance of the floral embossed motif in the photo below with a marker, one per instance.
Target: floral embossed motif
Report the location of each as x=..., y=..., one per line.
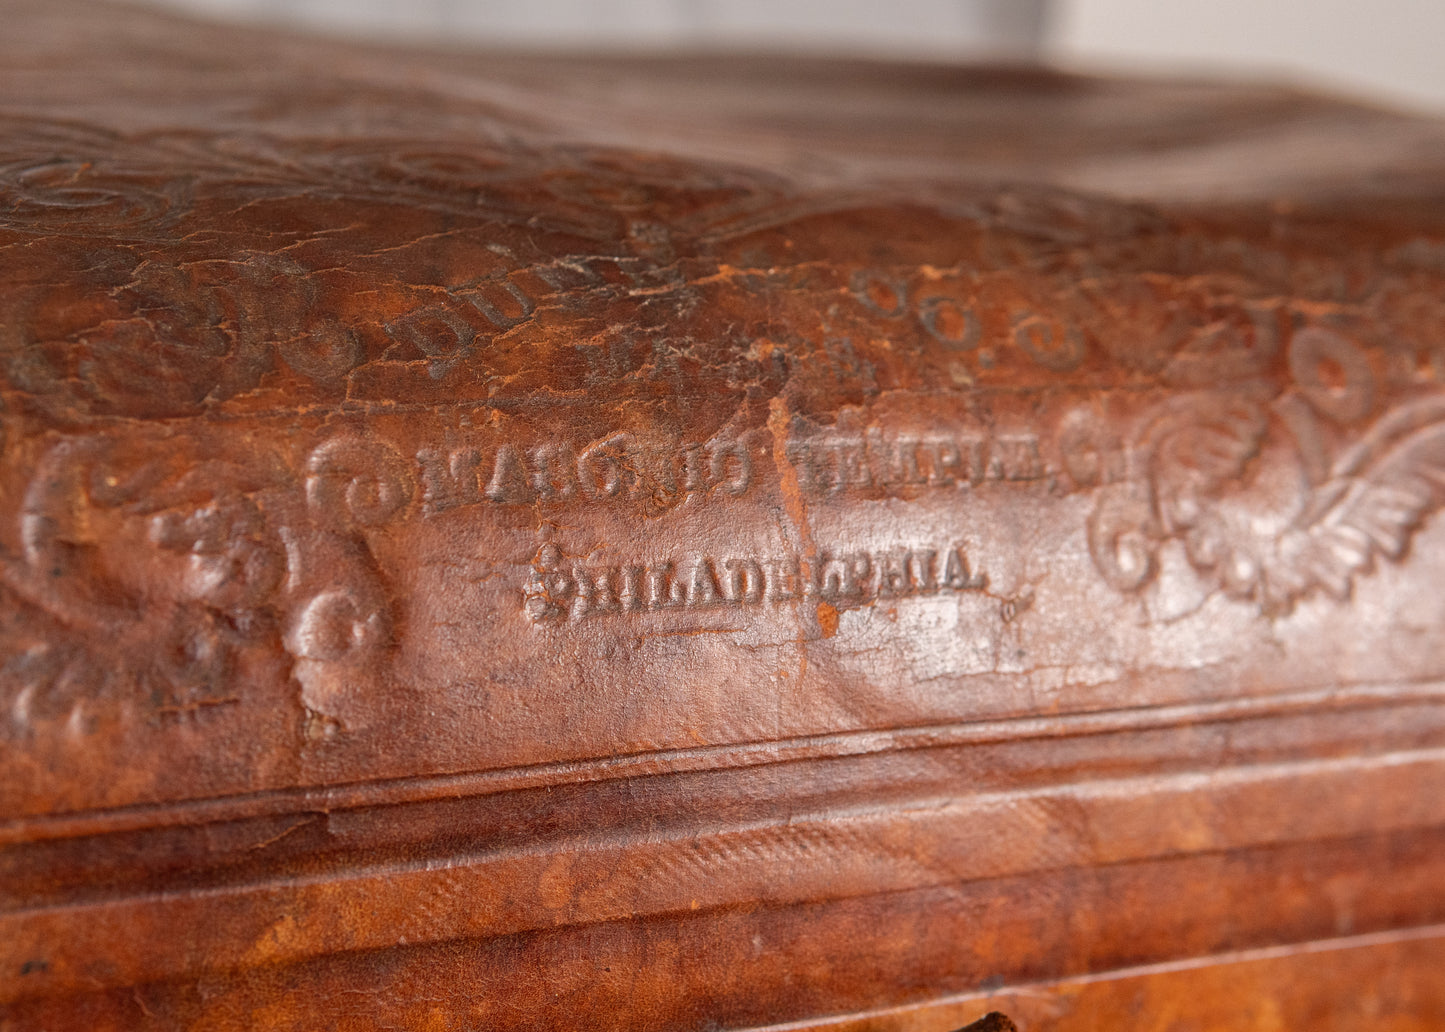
x=1245, y=484
x=188, y=560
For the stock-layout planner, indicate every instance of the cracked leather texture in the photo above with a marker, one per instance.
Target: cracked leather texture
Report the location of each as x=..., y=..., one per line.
x=502, y=541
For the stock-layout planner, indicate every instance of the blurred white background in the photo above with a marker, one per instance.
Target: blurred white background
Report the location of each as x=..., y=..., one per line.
x=1387, y=49
x=1390, y=49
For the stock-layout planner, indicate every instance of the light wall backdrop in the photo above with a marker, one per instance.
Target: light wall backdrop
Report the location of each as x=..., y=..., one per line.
x=1391, y=50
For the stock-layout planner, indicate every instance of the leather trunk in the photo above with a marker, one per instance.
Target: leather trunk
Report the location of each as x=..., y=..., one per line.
x=493, y=541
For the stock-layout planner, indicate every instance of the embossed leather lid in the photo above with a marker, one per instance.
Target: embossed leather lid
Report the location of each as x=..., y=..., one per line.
x=447, y=497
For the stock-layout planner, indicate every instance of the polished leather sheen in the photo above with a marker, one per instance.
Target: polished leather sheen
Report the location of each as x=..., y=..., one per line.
x=499, y=542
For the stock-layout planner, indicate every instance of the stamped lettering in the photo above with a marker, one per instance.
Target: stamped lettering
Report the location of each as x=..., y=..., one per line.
x=617, y=468
x=561, y=588
x=831, y=463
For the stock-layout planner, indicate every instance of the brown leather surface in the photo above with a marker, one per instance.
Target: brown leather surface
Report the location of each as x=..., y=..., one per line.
x=521, y=542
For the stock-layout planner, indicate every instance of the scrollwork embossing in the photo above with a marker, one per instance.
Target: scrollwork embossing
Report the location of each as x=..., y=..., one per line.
x=1190, y=458
x=183, y=556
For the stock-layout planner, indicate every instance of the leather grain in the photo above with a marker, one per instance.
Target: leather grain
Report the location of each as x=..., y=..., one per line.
x=492, y=541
